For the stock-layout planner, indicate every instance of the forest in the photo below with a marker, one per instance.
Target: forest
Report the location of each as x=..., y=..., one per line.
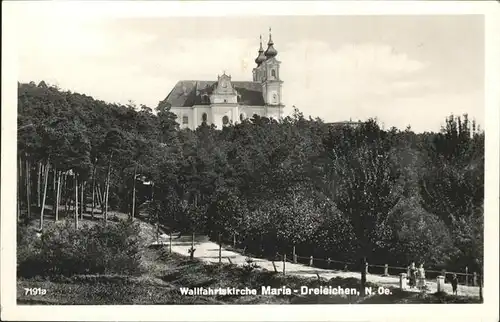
x=393, y=196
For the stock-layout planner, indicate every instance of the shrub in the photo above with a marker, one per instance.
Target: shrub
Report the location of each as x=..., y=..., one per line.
x=421, y=237
x=62, y=250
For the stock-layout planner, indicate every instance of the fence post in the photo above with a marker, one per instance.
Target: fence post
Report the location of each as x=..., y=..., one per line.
x=311, y=261
x=192, y=247
x=386, y=270
x=294, y=255
x=366, y=267
x=329, y=261
x=402, y=281
x=466, y=276
x=440, y=283
x=284, y=261
x=220, y=251
x=481, y=288
x=474, y=279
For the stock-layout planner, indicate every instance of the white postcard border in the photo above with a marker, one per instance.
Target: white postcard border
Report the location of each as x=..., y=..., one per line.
x=488, y=311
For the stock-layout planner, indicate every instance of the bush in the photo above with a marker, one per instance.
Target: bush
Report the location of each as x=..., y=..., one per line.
x=420, y=237
x=62, y=250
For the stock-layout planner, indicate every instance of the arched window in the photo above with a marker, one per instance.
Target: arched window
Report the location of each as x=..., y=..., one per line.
x=225, y=120
x=204, y=117
x=225, y=100
x=205, y=99
x=238, y=98
x=185, y=120
x=275, y=98
x=273, y=73
x=242, y=116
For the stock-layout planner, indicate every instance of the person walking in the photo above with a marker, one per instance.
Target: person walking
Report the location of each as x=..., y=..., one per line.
x=421, y=276
x=412, y=276
x=454, y=284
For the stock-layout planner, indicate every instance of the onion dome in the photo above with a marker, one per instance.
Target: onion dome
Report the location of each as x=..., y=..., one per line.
x=270, y=52
x=261, y=58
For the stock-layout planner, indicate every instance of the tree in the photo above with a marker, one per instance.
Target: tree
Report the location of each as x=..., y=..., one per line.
x=114, y=143
x=362, y=181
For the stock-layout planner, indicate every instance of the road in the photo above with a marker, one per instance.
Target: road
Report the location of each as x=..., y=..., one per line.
x=208, y=251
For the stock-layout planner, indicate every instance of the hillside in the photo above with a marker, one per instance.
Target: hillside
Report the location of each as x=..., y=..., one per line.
x=164, y=274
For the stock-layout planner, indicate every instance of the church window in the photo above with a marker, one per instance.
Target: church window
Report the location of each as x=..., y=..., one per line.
x=185, y=120
x=205, y=99
x=275, y=98
x=204, y=117
x=225, y=101
x=273, y=73
x=242, y=116
x=225, y=120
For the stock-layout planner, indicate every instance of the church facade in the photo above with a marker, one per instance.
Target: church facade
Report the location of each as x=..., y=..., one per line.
x=225, y=101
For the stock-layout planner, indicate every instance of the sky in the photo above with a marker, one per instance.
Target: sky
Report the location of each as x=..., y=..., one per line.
x=401, y=69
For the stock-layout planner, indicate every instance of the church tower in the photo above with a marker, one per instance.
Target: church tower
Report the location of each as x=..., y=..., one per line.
x=271, y=85
x=267, y=73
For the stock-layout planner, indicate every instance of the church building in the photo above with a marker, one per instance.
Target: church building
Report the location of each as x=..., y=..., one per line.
x=225, y=101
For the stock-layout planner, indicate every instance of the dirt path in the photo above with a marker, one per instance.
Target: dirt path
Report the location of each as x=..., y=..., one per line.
x=209, y=252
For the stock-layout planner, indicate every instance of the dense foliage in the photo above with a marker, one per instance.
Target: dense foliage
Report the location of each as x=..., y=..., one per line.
x=341, y=192
x=63, y=251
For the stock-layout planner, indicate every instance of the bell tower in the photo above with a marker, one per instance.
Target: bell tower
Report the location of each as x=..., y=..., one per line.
x=271, y=82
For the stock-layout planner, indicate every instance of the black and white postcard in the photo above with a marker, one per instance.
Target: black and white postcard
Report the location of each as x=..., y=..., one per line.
x=237, y=161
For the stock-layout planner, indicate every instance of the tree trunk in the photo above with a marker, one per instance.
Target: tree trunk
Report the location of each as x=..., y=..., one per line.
x=76, y=202
x=100, y=197
x=28, y=187
x=38, y=184
x=58, y=194
x=133, y=192
x=46, y=180
x=64, y=192
x=106, y=194
x=93, y=192
x=54, y=182
x=82, y=203
x=19, y=182
x=54, y=189
x=157, y=230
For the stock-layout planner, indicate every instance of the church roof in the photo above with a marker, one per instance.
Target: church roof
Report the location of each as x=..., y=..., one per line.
x=187, y=93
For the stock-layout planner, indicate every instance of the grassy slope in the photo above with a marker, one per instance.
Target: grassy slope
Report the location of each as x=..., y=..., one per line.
x=163, y=275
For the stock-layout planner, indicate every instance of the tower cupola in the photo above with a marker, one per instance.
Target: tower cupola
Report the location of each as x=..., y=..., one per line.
x=270, y=51
x=261, y=57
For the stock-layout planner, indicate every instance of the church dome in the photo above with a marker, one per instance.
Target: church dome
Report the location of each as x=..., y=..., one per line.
x=260, y=58
x=271, y=51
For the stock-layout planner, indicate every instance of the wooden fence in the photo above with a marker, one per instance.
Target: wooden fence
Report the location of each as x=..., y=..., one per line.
x=464, y=278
